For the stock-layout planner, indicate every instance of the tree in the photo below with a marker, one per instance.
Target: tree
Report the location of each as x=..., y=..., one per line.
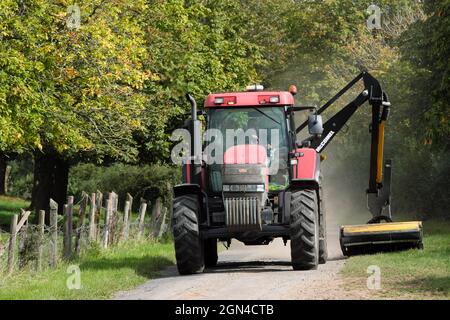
x=84, y=85
x=20, y=100
x=427, y=46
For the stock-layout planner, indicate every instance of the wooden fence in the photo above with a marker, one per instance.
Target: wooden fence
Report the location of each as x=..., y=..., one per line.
x=92, y=223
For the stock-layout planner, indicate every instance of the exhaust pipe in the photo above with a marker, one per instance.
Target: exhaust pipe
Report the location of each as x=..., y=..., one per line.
x=196, y=141
x=193, y=106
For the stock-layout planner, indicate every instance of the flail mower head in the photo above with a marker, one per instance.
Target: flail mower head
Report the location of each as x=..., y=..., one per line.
x=380, y=234
x=381, y=237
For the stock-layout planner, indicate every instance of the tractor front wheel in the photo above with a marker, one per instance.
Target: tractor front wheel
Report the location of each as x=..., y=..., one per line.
x=323, y=251
x=186, y=233
x=304, y=230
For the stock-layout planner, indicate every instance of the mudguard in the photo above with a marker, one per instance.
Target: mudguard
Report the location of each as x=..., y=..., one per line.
x=186, y=188
x=305, y=167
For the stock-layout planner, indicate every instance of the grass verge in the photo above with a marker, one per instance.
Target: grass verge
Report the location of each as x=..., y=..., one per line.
x=411, y=274
x=10, y=206
x=102, y=273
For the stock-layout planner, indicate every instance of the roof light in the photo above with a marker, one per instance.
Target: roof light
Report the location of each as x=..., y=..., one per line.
x=274, y=99
x=218, y=100
x=255, y=87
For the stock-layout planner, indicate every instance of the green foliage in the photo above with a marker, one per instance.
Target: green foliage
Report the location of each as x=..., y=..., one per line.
x=427, y=46
x=115, y=86
x=149, y=182
x=20, y=182
x=20, y=105
x=72, y=90
x=21, y=186
x=334, y=46
x=196, y=47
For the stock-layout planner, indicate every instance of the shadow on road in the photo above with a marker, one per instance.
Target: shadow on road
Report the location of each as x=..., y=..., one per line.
x=147, y=266
x=257, y=266
x=250, y=266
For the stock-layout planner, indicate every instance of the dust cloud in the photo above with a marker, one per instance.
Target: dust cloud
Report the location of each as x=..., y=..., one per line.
x=344, y=189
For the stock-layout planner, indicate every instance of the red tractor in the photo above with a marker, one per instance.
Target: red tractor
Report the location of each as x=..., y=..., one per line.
x=263, y=182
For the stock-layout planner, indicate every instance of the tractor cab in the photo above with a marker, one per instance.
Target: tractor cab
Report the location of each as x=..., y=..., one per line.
x=250, y=118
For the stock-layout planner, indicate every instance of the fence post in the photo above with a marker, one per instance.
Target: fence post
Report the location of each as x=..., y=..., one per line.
x=99, y=202
x=126, y=220
x=81, y=213
x=92, y=226
x=41, y=229
x=12, y=242
x=66, y=250
x=53, y=233
x=156, y=213
x=114, y=199
x=162, y=225
x=130, y=198
x=23, y=220
x=142, y=210
x=99, y=212
x=26, y=240
x=106, y=228
x=68, y=227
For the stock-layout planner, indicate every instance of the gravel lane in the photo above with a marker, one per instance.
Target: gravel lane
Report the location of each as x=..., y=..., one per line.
x=253, y=272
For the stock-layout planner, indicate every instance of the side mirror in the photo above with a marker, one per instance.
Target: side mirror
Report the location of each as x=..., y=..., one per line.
x=315, y=124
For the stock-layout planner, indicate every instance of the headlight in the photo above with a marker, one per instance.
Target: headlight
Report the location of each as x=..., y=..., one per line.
x=260, y=188
x=243, y=188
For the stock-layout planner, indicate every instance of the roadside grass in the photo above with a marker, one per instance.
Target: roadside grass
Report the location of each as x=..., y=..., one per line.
x=102, y=273
x=411, y=274
x=10, y=206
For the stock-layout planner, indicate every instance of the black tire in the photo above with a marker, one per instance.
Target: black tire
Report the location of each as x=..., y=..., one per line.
x=304, y=230
x=210, y=252
x=186, y=233
x=323, y=250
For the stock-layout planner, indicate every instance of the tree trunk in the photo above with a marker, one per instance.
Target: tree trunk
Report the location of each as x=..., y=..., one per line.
x=51, y=174
x=3, y=176
x=43, y=176
x=60, y=183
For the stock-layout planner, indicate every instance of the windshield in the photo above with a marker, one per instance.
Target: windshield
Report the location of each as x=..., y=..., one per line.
x=254, y=125
x=254, y=119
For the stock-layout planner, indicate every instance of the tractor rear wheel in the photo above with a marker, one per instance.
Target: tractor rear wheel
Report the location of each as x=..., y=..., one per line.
x=186, y=233
x=304, y=230
x=210, y=252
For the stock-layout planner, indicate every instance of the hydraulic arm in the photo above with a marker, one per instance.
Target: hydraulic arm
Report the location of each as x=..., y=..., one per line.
x=374, y=236
x=378, y=191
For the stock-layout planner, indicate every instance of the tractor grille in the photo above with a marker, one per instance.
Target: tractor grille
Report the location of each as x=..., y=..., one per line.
x=242, y=214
